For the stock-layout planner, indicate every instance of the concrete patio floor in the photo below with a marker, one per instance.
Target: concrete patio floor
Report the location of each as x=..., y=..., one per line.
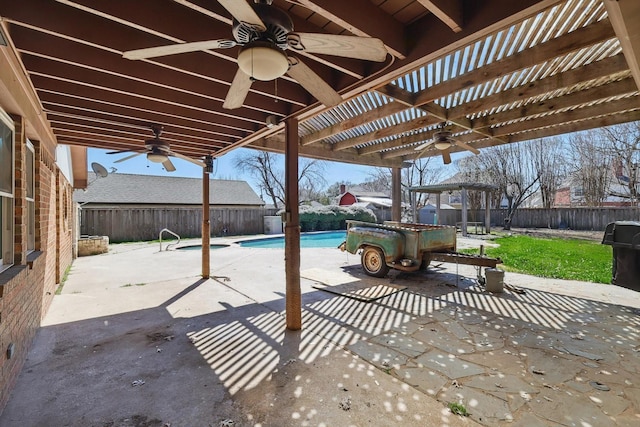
x=138, y=339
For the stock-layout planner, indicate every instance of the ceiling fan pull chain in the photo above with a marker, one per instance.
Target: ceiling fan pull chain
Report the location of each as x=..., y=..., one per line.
x=253, y=79
x=275, y=84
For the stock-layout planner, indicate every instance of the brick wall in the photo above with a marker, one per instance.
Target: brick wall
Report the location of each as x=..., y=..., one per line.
x=28, y=287
x=46, y=233
x=64, y=214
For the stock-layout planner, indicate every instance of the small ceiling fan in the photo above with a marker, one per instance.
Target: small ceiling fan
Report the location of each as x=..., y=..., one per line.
x=443, y=141
x=264, y=32
x=158, y=151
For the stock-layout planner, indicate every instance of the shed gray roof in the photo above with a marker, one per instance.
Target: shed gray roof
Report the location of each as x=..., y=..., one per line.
x=123, y=188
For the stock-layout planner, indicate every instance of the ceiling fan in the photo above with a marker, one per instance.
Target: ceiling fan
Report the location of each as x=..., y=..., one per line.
x=443, y=140
x=158, y=151
x=264, y=32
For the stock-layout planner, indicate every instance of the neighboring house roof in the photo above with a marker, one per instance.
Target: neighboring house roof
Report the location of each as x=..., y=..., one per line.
x=359, y=192
x=432, y=206
x=617, y=190
x=377, y=201
x=120, y=188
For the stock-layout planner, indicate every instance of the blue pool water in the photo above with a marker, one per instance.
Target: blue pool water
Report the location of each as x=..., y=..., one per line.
x=324, y=239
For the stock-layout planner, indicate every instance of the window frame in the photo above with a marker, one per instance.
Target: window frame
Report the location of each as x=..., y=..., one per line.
x=30, y=187
x=7, y=220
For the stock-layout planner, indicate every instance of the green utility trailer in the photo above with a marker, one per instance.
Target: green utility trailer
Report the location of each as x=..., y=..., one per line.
x=405, y=246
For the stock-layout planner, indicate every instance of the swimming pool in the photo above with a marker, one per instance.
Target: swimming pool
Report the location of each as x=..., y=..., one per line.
x=322, y=239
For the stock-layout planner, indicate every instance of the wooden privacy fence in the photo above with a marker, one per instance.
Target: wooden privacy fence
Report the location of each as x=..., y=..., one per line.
x=139, y=224
x=557, y=218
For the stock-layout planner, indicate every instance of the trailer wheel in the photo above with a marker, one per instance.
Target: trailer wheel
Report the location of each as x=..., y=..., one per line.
x=373, y=263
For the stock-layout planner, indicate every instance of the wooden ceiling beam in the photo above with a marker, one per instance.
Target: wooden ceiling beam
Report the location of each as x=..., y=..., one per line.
x=599, y=69
x=433, y=109
x=406, y=145
x=100, y=117
x=396, y=143
x=582, y=37
x=565, y=128
x=587, y=124
x=69, y=129
x=40, y=44
x=276, y=144
x=114, y=143
x=625, y=19
x=400, y=128
x=448, y=11
x=120, y=146
x=56, y=20
x=145, y=112
x=150, y=16
x=551, y=105
x=374, y=23
x=91, y=84
x=77, y=122
x=359, y=120
x=611, y=107
x=431, y=39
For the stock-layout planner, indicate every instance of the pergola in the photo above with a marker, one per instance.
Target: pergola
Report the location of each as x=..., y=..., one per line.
x=495, y=71
x=438, y=189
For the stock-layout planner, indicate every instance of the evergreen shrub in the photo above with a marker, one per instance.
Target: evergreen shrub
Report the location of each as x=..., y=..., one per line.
x=332, y=217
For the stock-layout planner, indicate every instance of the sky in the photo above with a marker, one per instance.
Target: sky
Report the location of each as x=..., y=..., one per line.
x=224, y=168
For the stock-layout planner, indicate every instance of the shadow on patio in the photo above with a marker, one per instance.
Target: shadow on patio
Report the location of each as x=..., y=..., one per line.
x=525, y=359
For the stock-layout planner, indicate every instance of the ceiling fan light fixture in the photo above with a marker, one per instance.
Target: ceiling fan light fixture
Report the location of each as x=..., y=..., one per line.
x=262, y=61
x=157, y=157
x=442, y=145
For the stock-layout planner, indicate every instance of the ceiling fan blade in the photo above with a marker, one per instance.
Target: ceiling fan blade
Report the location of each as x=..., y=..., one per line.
x=424, y=145
x=243, y=12
x=446, y=157
x=467, y=147
x=309, y=80
x=172, y=49
x=368, y=48
x=168, y=166
x=120, y=151
x=188, y=159
x=238, y=91
x=127, y=158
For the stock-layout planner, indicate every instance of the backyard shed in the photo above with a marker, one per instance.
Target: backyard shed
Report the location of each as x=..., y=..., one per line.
x=437, y=189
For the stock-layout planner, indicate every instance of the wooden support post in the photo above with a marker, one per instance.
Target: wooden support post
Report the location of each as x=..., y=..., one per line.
x=206, y=226
x=396, y=194
x=438, y=207
x=487, y=211
x=463, y=191
x=413, y=199
x=292, y=228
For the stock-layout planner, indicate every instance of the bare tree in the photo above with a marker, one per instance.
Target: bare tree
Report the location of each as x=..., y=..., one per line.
x=267, y=168
x=379, y=181
x=549, y=163
x=623, y=144
x=508, y=168
x=422, y=172
x=591, y=164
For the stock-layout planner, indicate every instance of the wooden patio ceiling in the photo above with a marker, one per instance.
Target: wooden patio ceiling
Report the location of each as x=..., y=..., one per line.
x=497, y=71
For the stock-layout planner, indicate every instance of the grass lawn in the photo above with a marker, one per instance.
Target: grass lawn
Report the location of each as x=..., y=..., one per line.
x=557, y=258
